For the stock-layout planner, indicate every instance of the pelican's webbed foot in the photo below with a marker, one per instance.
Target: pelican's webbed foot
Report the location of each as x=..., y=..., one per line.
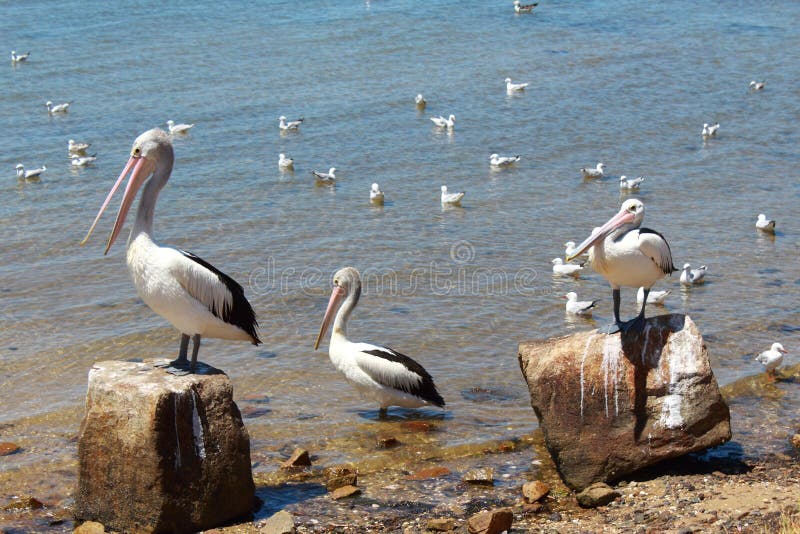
x=635, y=325
x=612, y=328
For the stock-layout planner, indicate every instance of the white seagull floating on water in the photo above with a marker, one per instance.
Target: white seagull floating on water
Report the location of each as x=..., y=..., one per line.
x=81, y=161
x=757, y=86
x=19, y=58
x=630, y=183
x=178, y=128
x=441, y=122
x=59, y=108
x=451, y=198
x=772, y=358
x=291, y=125
x=691, y=276
x=420, y=101
x=502, y=161
x=31, y=174
x=523, y=8
x=379, y=373
x=597, y=172
x=764, y=224
x=375, y=194
x=77, y=148
x=559, y=267
x=325, y=177
x=710, y=130
x=284, y=162
x=578, y=307
x=512, y=87
x=654, y=297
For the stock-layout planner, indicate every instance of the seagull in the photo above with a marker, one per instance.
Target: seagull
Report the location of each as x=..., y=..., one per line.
x=654, y=297
x=178, y=128
x=77, y=148
x=375, y=194
x=511, y=87
x=196, y=297
x=597, y=172
x=710, y=130
x=82, y=161
x=32, y=174
x=523, y=8
x=291, y=125
x=441, y=122
x=502, y=161
x=630, y=183
x=569, y=246
x=754, y=85
x=284, y=162
x=772, y=358
x=691, y=276
x=578, y=307
x=19, y=58
x=764, y=224
x=60, y=108
x=325, y=177
x=627, y=255
x=378, y=373
x=451, y=198
x=420, y=101
x=559, y=267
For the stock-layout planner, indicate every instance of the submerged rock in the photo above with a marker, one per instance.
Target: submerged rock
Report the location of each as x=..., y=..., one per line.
x=7, y=448
x=338, y=476
x=299, y=458
x=483, y=476
x=279, y=523
x=609, y=405
x=429, y=472
x=345, y=491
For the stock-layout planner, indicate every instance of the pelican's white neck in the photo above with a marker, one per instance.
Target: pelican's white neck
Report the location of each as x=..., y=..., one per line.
x=147, y=203
x=347, y=307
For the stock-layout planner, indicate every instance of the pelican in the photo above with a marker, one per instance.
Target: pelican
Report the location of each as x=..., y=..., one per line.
x=19, y=58
x=59, y=108
x=757, y=86
x=197, y=298
x=764, y=224
x=523, y=8
x=512, y=87
x=82, y=161
x=291, y=125
x=451, y=198
x=772, y=358
x=627, y=255
x=178, y=128
x=597, y=172
x=654, y=297
x=32, y=174
x=578, y=307
x=378, y=373
x=502, y=161
x=710, y=130
x=420, y=101
x=559, y=267
x=447, y=123
x=325, y=177
x=630, y=184
x=375, y=194
x=284, y=162
x=691, y=276
x=77, y=148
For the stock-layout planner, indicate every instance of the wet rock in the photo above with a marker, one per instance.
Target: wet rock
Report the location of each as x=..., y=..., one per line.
x=534, y=491
x=490, y=521
x=481, y=477
x=161, y=453
x=387, y=442
x=345, y=491
x=338, y=476
x=25, y=502
x=299, y=458
x=279, y=523
x=89, y=527
x=609, y=405
x=441, y=524
x=598, y=494
x=430, y=472
x=7, y=448
x=532, y=508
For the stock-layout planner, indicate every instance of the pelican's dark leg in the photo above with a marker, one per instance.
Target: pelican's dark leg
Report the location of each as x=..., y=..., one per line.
x=179, y=366
x=637, y=323
x=614, y=327
x=195, y=350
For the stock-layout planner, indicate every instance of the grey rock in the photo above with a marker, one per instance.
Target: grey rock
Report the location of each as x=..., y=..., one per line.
x=600, y=494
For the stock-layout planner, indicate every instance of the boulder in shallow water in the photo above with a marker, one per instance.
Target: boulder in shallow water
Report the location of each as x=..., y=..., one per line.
x=609, y=405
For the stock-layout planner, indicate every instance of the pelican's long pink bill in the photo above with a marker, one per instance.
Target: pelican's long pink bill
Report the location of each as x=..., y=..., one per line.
x=333, y=304
x=125, y=171
x=141, y=171
x=623, y=217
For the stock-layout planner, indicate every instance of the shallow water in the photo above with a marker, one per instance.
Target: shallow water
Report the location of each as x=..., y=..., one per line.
x=626, y=83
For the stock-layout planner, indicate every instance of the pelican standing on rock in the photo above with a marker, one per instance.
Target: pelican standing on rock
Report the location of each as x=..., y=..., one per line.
x=764, y=224
x=197, y=298
x=771, y=359
x=597, y=172
x=691, y=276
x=627, y=255
x=378, y=373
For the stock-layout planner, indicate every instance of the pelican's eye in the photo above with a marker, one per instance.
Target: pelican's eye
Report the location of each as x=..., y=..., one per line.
x=137, y=151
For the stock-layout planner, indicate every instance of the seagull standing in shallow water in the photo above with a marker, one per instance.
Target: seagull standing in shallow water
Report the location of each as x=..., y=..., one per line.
x=772, y=358
x=597, y=172
x=451, y=198
x=578, y=307
x=654, y=297
x=691, y=276
x=559, y=267
x=764, y=224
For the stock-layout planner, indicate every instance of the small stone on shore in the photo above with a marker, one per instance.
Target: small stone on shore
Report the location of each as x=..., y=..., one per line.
x=25, y=502
x=89, y=527
x=534, y=491
x=483, y=476
x=338, y=476
x=345, y=491
x=279, y=523
x=7, y=448
x=490, y=521
x=387, y=442
x=299, y=458
x=598, y=494
x=430, y=472
x=796, y=441
x=441, y=524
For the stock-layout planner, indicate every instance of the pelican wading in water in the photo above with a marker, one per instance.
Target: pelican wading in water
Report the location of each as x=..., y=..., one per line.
x=627, y=255
x=378, y=373
x=197, y=298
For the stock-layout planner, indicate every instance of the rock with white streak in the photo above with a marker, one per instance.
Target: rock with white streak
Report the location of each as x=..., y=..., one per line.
x=609, y=405
x=161, y=453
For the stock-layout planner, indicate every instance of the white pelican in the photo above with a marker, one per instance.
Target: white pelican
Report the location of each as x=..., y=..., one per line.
x=31, y=174
x=523, y=8
x=772, y=358
x=77, y=148
x=178, y=128
x=757, y=86
x=502, y=161
x=284, y=162
x=597, y=172
x=627, y=255
x=441, y=122
x=764, y=224
x=691, y=276
x=82, y=161
x=325, y=177
x=512, y=87
x=291, y=125
x=710, y=130
x=630, y=184
x=451, y=198
x=654, y=297
x=59, y=108
x=378, y=373
x=197, y=298
x=19, y=58
x=559, y=267
x=375, y=194
x=420, y=101
x=578, y=307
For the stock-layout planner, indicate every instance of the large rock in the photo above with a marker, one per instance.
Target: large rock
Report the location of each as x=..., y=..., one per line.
x=611, y=404
x=161, y=453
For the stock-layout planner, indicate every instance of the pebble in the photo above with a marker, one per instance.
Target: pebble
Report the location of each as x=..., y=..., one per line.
x=598, y=494
x=7, y=448
x=490, y=521
x=534, y=491
x=387, y=442
x=441, y=524
x=299, y=458
x=483, y=476
x=345, y=491
x=24, y=503
x=338, y=476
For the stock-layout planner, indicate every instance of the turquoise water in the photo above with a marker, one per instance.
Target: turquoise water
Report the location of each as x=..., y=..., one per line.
x=627, y=83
